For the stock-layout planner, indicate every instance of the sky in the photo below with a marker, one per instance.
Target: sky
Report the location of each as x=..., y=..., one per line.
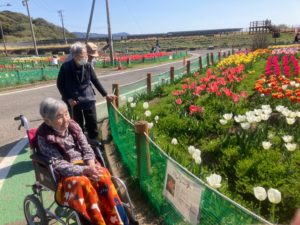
x=160, y=16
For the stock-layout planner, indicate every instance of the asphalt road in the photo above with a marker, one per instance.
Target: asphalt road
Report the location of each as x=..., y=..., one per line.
x=26, y=100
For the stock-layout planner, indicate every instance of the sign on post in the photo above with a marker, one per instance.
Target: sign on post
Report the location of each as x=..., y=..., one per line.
x=183, y=193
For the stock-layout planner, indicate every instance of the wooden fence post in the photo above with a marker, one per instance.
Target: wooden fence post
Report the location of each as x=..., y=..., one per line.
x=188, y=67
x=143, y=162
x=115, y=91
x=232, y=51
x=200, y=63
x=228, y=53
x=212, y=58
x=224, y=54
x=207, y=59
x=149, y=83
x=172, y=74
x=219, y=56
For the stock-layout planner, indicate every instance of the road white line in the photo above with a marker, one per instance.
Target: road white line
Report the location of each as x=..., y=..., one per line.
x=31, y=89
x=9, y=159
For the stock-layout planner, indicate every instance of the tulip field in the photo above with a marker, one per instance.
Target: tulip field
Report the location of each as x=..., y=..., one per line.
x=235, y=125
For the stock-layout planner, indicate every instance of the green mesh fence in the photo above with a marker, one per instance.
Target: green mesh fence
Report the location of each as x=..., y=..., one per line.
x=194, y=65
x=10, y=78
x=213, y=208
x=124, y=138
x=159, y=79
x=134, y=88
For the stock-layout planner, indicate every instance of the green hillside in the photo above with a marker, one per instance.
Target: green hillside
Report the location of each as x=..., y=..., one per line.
x=16, y=28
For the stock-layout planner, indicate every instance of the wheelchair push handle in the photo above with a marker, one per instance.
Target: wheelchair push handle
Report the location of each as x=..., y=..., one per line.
x=24, y=122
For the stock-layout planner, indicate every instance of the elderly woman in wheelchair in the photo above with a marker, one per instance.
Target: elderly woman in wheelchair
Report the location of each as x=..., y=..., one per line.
x=84, y=185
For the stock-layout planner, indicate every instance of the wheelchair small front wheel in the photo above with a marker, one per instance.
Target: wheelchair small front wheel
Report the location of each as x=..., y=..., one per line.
x=34, y=211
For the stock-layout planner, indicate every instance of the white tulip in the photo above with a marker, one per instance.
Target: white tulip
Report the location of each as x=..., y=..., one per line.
x=145, y=105
x=286, y=112
x=123, y=98
x=251, y=118
x=274, y=196
x=267, y=111
x=245, y=125
x=191, y=149
x=196, y=154
x=223, y=122
x=260, y=193
x=291, y=146
x=240, y=118
x=293, y=114
x=150, y=125
x=227, y=116
x=214, y=180
x=156, y=118
x=287, y=138
x=264, y=107
x=132, y=104
x=258, y=119
x=284, y=87
x=265, y=116
x=198, y=160
x=290, y=121
x=258, y=112
x=262, y=95
x=298, y=114
x=266, y=145
x=280, y=108
x=148, y=113
x=297, y=85
x=130, y=99
x=174, y=141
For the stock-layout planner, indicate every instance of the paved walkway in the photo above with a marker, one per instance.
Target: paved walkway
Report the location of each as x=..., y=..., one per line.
x=15, y=188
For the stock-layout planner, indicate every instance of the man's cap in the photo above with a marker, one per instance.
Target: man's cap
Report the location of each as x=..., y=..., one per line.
x=92, y=49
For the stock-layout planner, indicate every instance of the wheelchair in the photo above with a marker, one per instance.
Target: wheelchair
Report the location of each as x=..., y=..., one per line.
x=47, y=180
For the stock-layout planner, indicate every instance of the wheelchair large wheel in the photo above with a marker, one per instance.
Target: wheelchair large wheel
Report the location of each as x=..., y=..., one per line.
x=34, y=212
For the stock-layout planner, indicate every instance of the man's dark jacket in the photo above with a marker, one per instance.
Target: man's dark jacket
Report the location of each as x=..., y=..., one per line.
x=78, y=85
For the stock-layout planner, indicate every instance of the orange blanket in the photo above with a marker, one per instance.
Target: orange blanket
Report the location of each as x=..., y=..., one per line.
x=97, y=201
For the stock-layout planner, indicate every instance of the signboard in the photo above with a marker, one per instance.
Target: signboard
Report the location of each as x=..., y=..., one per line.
x=183, y=193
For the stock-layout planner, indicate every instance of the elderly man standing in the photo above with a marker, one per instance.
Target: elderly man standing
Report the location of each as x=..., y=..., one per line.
x=74, y=83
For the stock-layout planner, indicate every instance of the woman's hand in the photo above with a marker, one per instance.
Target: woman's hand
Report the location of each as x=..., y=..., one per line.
x=94, y=172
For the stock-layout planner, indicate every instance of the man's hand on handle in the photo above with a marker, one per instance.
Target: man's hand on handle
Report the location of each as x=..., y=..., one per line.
x=110, y=98
x=72, y=102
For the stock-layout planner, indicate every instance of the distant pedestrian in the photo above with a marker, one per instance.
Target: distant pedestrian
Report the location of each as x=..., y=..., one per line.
x=296, y=39
x=92, y=51
x=54, y=61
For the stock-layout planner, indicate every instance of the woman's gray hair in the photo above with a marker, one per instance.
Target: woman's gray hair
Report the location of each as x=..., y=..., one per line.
x=49, y=108
x=77, y=48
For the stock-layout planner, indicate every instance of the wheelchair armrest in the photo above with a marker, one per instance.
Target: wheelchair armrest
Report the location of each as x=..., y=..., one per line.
x=41, y=159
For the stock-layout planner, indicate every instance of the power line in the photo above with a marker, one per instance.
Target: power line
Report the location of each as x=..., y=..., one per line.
x=60, y=12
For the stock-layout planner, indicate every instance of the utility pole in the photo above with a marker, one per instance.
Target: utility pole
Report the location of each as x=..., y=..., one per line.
x=111, y=48
x=2, y=33
x=25, y=3
x=62, y=23
x=90, y=22
x=3, y=38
